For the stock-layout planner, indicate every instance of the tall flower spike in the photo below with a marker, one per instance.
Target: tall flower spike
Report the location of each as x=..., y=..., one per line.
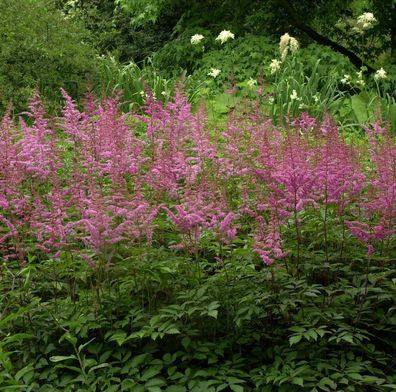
x=287, y=43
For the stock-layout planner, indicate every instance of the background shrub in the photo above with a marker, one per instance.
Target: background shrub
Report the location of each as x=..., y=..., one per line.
x=40, y=48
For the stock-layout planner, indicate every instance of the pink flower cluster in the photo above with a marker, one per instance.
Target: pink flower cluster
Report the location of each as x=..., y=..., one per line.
x=92, y=179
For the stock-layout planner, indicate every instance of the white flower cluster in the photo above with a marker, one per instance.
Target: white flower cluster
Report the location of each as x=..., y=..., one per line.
x=294, y=96
x=287, y=42
x=380, y=74
x=196, y=39
x=364, y=22
x=275, y=66
x=214, y=72
x=360, y=80
x=346, y=79
x=224, y=36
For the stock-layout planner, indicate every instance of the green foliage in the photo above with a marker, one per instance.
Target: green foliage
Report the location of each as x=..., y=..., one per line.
x=133, y=83
x=40, y=48
x=114, y=31
x=159, y=321
x=300, y=86
x=333, y=19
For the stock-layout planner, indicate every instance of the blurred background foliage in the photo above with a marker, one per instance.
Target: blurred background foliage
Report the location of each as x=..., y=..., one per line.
x=76, y=43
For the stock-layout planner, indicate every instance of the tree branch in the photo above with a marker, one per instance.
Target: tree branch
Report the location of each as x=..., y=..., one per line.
x=321, y=39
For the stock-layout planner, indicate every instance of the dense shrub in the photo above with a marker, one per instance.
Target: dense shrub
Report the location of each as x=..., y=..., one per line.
x=40, y=48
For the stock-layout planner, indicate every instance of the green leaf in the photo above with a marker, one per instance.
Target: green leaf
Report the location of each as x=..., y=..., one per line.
x=82, y=346
x=175, y=388
x=298, y=381
x=19, y=375
x=60, y=358
x=139, y=359
x=359, y=105
x=100, y=366
x=348, y=338
x=236, y=388
x=294, y=339
x=297, y=329
x=15, y=338
x=150, y=373
x=119, y=337
x=172, y=331
x=69, y=337
x=311, y=333
x=355, y=376
x=327, y=381
x=155, y=382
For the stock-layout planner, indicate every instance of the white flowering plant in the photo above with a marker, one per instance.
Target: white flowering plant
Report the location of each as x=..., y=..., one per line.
x=225, y=36
x=196, y=39
x=380, y=74
x=286, y=44
x=295, y=90
x=275, y=66
x=214, y=72
x=364, y=22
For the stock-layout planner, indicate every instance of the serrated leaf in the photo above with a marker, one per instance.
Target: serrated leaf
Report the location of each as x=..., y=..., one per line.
x=119, y=338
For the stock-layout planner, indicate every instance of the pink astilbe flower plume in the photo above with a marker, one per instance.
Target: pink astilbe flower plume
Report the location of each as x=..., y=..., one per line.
x=35, y=156
x=339, y=175
x=86, y=183
x=267, y=240
x=378, y=205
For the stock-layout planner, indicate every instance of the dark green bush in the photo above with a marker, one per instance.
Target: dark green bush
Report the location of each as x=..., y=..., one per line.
x=160, y=321
x=40, y=48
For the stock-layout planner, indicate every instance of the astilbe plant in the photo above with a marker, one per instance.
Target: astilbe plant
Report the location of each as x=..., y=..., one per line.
x=110, y=205
x=9, y=177
x=86, y=183
x=377, y=208
x=288, y=177
x=339, y=177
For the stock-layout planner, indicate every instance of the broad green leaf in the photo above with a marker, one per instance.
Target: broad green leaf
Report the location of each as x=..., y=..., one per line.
x=294, y=339
x=359, y=105
x=150, y=373
x=236, y=388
